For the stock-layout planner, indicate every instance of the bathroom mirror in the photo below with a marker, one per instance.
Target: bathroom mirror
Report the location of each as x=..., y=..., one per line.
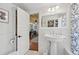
x=56, y=20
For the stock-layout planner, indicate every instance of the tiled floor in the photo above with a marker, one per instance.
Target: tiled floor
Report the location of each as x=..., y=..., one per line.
x=31, y=52
x=34, y=46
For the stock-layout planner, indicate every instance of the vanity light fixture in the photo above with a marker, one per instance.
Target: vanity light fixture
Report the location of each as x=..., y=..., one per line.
x=53, y=8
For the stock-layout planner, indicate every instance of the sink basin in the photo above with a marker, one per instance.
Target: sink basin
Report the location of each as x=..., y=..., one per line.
x=55, y=37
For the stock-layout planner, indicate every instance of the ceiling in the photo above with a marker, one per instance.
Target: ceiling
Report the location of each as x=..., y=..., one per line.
x=36, y=7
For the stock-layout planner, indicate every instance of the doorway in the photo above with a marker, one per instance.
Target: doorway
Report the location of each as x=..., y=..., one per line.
x=33, y=33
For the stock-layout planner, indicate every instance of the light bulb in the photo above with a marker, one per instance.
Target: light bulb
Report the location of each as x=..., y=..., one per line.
x=53, y=9
x=49, y=9
x=57, y=7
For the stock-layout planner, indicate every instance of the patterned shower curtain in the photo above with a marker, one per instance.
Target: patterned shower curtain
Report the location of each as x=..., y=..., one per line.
x=75, y=28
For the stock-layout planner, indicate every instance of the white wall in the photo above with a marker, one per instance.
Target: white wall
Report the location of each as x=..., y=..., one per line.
x=7, y=30
x=66, y=31
x=68, y=40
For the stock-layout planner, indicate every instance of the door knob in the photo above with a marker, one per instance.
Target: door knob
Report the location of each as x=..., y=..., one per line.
x=19, y=36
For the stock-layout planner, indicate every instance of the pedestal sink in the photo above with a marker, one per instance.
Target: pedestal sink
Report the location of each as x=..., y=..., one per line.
x=53, y=39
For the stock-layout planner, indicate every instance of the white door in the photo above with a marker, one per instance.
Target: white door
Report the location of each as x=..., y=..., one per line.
x=22, y=31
